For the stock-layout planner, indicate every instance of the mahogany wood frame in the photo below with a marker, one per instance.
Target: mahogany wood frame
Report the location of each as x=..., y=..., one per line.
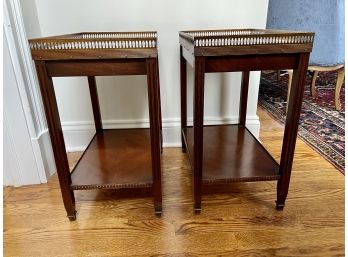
x=229, y=59
x=46, y=69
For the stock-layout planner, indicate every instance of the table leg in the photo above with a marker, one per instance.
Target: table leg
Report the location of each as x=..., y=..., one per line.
x=57, y=139
x=183, y=98
x=152, y=83
x=159, y=103
x=339, y=82
x=95, y=104
x=314, y=79
x=198, y=116
x=291, y=127
x=243, y=103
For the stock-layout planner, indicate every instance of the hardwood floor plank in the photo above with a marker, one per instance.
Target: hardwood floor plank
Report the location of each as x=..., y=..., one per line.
x=6, y=192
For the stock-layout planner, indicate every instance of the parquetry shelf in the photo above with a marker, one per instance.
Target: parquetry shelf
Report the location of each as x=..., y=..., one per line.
x=230, y=153
x=114, y=159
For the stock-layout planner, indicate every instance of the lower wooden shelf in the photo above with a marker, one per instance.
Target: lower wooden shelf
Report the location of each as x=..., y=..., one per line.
x=117, y=158
x=231, y=154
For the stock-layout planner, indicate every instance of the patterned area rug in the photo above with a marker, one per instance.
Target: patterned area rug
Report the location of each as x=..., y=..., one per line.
x=321, y=126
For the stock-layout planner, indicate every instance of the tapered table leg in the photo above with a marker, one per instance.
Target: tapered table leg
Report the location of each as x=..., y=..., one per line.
x=57, y=139
x=198, y=130
x=183, y=98
x=159, y=103
x=95, y=104
x=339, y=82
x=314, y=79
x=243, y=103
x=291, y=127
x=152, y=82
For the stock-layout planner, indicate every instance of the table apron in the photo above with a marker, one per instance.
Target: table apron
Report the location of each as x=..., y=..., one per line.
x=96, y=68
x=251, y=62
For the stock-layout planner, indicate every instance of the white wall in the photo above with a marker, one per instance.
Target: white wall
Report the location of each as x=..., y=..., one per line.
x=29, y=13
x=20, y=166
x=124, y=99
x=28, y=152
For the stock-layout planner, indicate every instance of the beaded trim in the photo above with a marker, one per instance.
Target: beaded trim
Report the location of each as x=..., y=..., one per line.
x=258, y=40
x=104, y=44
x=119, y=35
x=223, y=33
x=110, y=186
x=85, y=41
x=229, y=180
x=245, y=38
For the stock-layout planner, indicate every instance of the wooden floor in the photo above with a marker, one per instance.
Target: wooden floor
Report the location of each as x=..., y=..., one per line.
x=241, y=222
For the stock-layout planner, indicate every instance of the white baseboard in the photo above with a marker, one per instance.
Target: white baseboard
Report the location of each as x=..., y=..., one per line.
x=44, y=142
x=77, y=135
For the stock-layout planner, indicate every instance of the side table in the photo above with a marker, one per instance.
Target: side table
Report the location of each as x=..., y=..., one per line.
x=230, y=153
x=114, y=159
